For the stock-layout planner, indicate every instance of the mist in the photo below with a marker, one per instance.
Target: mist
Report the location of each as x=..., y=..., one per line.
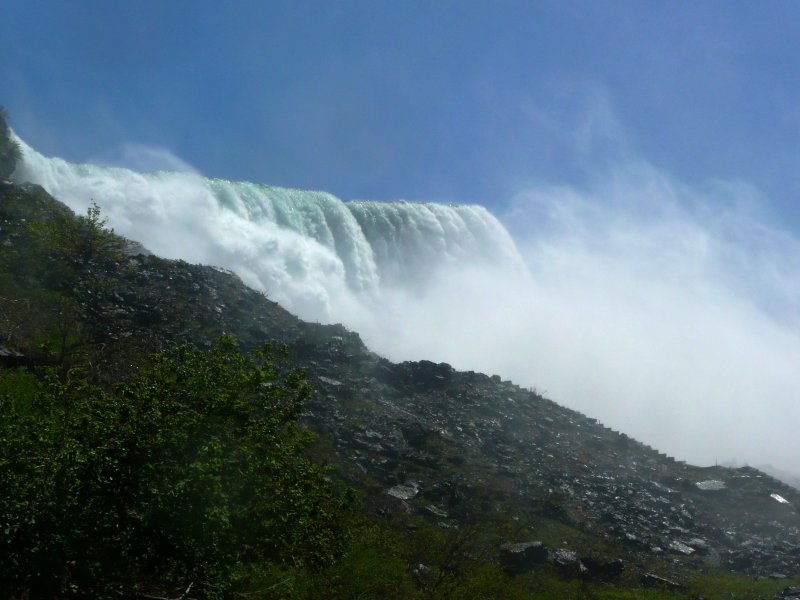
x=667, y=311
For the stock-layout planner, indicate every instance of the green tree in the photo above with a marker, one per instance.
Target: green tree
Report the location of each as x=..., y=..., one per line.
x=191, y=475
x=10, y=152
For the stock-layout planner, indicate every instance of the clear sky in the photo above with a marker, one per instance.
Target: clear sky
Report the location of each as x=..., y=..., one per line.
x=445, y=101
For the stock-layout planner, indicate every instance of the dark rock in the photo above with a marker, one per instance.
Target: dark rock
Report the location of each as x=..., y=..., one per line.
x=557, y=511
x=603, y=570
x=568, y=562
x=416, y=435
x=510, y=471
x=424, y=460
x=631, y=540
x=444, y=491
x=403, y=491
x=699, y=545
x=710, y=485
x=610, y=517
x=680, y=548
x=654, y=581
x=433, y=513
x=518, y=558
x=12, y=358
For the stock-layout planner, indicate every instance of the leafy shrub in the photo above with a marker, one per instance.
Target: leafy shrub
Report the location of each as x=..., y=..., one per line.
x=373, y=567
x=189, y=475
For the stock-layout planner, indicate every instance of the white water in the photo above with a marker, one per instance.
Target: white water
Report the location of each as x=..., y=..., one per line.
x=668, y=312
x=321, y=258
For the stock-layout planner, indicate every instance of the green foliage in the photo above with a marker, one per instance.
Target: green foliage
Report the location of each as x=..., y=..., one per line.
x=428, y=563
x=10, y=152
x=728, y=585
x=187, y=475
x=373, y=567
x=58, y=273
x=73, y=246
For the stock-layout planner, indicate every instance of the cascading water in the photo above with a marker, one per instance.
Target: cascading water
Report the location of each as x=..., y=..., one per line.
x=322, y=258
x=662, y=310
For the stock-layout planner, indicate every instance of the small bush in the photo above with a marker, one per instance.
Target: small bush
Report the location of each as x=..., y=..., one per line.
x=189, y=475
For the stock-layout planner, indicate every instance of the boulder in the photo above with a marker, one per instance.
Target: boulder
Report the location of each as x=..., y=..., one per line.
x=603, y=570
x=403, y=491
x=433, y=513
x=568, y=562
x=518, y=558
x=654, y=581
x=680, y=548
x=711, y=485
x=12, y=358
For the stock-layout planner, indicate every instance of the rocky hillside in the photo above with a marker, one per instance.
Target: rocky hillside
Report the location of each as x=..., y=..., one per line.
x=422, y=440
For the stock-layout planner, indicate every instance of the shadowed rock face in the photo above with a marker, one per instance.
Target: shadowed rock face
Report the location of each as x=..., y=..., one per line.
x=455, y=446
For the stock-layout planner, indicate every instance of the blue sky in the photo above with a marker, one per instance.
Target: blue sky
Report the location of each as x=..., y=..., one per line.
x=447, y=101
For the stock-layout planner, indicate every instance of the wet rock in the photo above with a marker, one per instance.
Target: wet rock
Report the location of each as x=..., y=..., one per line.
x=405, y=491
x=443, y=491
x=510, y=471
x=568, y=562
x=603, y=570
x=610, y=517
x=12, y=358
x=711, y=485
x=389, y=451
x=654, y=581
x=416, y=435
x=518, y=558
x=680, y=548
x=423, y=460
x=557, y=511
x=433, y=513
x=631, y=540
x=699, y=545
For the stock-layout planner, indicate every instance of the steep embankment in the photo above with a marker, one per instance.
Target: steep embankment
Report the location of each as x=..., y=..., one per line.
x=423, y=440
